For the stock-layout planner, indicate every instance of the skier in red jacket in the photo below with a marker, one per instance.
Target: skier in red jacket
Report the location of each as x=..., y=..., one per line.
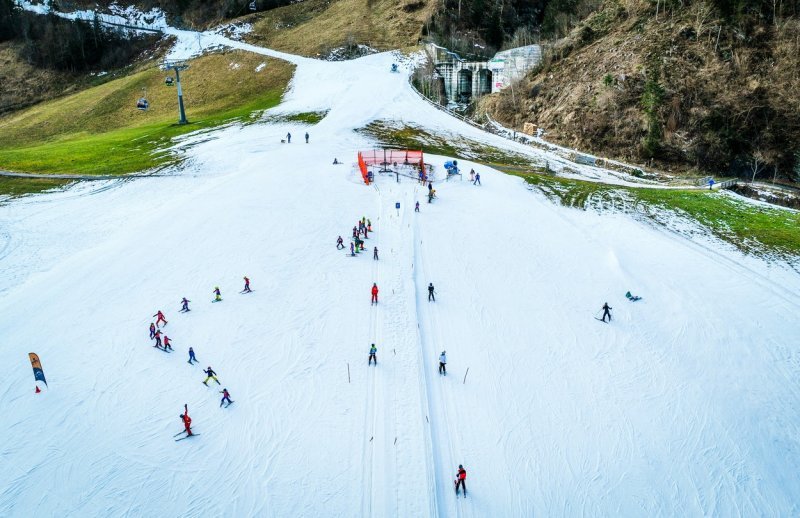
x=374, y=293
x=461, y=479
x=160, y=318
x=167, y=343
x=187, y=421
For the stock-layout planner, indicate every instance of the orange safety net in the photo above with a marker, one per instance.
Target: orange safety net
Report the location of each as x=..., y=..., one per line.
x=389, y=157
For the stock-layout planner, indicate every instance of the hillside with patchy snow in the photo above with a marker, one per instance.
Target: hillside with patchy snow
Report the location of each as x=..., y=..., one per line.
x=685, y=404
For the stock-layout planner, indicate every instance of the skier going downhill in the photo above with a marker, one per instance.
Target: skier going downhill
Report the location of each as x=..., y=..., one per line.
x=217, y=294
x=157, y=336
x=352, y=249
x=372, y=358
x=431, y=296
x=375, y=253
x=152, y=330
x=192, y=357
x=167, y=345
x=225, y=397
x=443, y=363
x=246, y=285
x=160, y=318
x=306, y=137
x=185, y=305
x=187, y=421
x=211, y=375
x=339, y=243
x=606, y=312
x=461, y=479
x=374, y=293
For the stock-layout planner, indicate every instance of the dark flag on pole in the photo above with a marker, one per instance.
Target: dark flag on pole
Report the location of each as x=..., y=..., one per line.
x=38, y=373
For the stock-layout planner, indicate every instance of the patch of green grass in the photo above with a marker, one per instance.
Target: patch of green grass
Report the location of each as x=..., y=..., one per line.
x=309, y=118
x=414, y=137
x=751, y=228
x=17, y=186
x=100, y=131
x=121, y=151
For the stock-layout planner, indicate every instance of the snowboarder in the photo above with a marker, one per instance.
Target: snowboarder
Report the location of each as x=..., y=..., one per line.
x=158, y=338
x=210, y=375
x=632, y=298
x=477, y=179
x=374, y=293
x=443, y=363
x=185, y=305
x=416, y=207
x=167, y=343
x=187, y=421
x=461, y=479
x=152, y=330
x=217, y=294
x=372, y=351
x=160, y=318
x=289, y=138
x=192, y=357
x=375, y=253
x=246, y=285
x=606, y=312
x=306, y=137
x=431, y=296
x=352, y=249
x=225, y=396
x=339, y=243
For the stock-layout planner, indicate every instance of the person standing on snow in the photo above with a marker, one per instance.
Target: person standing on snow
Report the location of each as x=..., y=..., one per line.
x=607, y=312
x=185, y=305
x=225, y=396
x=158, y=338
x=369, y=225
x=191, y=357
x=352, y=249
x=210, y=375
x=306, y=137
x=416, y=207
x=339, y=243
x=472, y=175
x=187, y=421
x=431, y=297
x=374, y=293
x=443, y=363
x=167, y=343
x=246, y=285
x=152, y=330
x=355, y=232
x=375, y=253
x=160, y=318
x=289, y=138
x=217, y=294
x=477, y=179
x=461, y=479
x=372, y=358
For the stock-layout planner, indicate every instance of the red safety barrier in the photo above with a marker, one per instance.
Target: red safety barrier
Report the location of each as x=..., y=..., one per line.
x=389, y=157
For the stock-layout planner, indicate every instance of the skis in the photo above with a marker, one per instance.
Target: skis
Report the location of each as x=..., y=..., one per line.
x=229, y=404
x=220, y=300
x=182, y=438
x=247, y=291
x=184, y=311
x=601, y=320
x=162, y=349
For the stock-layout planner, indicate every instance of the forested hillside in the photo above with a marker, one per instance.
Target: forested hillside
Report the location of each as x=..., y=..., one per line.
x=692, y=85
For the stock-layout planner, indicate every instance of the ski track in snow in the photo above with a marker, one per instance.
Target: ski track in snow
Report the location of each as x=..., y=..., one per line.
x=685, y=404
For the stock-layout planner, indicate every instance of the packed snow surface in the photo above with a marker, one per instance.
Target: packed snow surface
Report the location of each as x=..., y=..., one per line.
x=686, y=404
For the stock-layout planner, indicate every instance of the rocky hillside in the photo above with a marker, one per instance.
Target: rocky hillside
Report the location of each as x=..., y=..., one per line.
x=697, y=86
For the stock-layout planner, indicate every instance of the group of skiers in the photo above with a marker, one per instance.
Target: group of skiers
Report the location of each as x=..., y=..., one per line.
x=362, y=228
x=165, y=345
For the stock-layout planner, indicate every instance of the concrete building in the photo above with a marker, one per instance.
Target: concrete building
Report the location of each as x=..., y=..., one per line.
x=463, y=80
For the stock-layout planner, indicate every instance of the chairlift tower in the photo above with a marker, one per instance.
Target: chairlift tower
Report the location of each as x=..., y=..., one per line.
x=177, y=65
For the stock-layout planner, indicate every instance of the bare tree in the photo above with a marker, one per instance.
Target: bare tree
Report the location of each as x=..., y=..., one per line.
x=757, y=164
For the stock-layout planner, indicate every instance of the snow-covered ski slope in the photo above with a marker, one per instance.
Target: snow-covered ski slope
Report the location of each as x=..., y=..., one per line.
x=685, y=405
